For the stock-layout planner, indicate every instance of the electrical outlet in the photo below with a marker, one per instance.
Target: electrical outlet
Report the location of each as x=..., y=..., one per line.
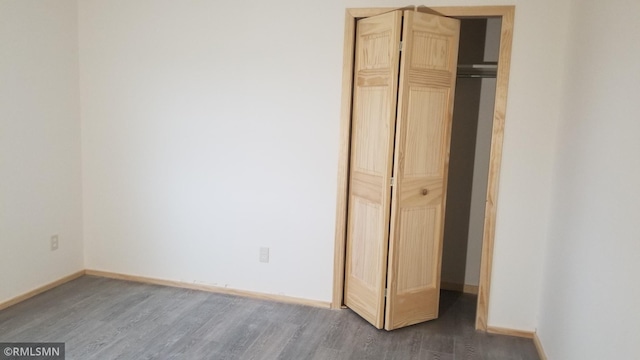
x=54, y=243
x=264, y=254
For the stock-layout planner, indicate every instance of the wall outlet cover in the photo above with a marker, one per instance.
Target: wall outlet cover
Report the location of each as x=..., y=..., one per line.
x=264, y=254
x=54, y=243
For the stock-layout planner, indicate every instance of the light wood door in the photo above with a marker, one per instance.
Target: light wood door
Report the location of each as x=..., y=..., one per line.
x=373, y=130
x=425, y=108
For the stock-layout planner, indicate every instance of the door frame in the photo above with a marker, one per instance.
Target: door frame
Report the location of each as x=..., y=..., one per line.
x=506, y=13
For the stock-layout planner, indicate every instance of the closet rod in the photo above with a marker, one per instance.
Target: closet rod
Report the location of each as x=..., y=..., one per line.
x=484, y=76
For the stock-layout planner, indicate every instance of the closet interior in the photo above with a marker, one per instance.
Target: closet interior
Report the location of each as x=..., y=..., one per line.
x=470, y=152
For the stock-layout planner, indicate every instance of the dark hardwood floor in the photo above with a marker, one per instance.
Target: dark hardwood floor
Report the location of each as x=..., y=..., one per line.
x=101, y=318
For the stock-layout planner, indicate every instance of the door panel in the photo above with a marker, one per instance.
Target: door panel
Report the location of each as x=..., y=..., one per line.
x=373, y=133
x=425, y=107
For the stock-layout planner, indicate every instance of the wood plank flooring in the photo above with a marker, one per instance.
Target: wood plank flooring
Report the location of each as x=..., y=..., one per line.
x=102, y=318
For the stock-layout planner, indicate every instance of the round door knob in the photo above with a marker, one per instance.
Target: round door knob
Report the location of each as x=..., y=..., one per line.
x=425, y=191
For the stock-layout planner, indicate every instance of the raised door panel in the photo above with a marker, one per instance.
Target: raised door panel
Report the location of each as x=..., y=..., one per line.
x=373, y=132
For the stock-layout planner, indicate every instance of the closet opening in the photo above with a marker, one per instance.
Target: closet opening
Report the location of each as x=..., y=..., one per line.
x=469, y=163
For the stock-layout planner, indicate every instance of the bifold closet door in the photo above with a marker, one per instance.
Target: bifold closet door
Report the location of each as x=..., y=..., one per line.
x=425, y=111
x=372, y=136
x=395, y=241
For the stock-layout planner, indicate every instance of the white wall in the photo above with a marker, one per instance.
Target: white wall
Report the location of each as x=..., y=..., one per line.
x=589, y=308
x=211, y=129
x=40, y=179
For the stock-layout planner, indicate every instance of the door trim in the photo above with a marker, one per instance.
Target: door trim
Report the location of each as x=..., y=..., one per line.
x=507, y=14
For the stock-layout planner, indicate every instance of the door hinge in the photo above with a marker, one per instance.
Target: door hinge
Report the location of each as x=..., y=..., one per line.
x=400, y=46
x=385, y=292
x=393, y=181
